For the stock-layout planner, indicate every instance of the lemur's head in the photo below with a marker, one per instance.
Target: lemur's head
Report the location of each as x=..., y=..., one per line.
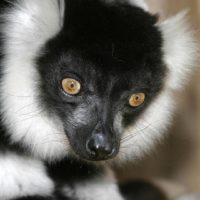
x=89, y=77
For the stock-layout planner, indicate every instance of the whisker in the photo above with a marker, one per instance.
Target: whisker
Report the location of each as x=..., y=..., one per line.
x=28, y=118
x=129, y=136
x=128, y=145
x=134, y=134
x=23, y=107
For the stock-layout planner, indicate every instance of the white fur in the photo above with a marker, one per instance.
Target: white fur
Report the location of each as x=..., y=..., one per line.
x=140, y=3
x=180, y=56
x=98, y=189
x=28, y=26
x=180, y=49
x=22, y=176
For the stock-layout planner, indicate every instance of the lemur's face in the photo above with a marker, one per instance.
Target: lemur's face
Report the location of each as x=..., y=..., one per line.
x=94, y=78
x=98, y=75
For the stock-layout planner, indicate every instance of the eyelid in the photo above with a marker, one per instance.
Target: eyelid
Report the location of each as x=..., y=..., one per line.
x=72, y=75
x=127, y=94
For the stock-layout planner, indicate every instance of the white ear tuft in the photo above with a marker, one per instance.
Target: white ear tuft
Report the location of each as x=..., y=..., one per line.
x=33, y=22
x=140, y=3
x=180, y=49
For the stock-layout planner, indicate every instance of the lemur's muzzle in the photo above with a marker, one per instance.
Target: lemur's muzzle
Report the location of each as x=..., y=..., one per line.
x=100, y=147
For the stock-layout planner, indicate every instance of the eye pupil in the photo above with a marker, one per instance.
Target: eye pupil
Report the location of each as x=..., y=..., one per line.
x=72, y=85
x=137, y=98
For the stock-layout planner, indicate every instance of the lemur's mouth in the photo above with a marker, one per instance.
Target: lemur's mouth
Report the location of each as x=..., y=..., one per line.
x=99, y=155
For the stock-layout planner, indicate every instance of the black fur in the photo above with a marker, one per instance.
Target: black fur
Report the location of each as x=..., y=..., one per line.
x=142, y=190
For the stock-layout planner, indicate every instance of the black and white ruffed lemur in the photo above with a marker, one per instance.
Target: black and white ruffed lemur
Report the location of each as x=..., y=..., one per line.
x=84, y=84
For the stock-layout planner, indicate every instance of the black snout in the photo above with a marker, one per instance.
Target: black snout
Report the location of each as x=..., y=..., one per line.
x=99, y=147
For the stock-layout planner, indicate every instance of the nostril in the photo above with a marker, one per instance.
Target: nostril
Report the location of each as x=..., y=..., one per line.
x=108, y=150
x=90, y=148
x=99, y=150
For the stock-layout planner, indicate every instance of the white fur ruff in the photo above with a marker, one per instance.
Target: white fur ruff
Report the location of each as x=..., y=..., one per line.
x=26, y=29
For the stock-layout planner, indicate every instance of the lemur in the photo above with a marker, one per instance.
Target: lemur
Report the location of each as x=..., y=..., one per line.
x=85, y=84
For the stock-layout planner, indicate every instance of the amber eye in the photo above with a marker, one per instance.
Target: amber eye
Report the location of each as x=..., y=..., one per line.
x=137, y=99
x=71, y=86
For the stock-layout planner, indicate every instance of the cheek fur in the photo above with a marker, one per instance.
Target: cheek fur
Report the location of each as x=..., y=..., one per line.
x=139, y=139
x=29, y=24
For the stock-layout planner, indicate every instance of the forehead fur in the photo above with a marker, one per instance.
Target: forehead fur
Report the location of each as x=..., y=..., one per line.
x=87, y=20
x=109, y=35
x=89, y=23
x=30, y=24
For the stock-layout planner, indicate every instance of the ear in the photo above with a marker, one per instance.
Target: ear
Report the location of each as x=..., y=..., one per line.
x=140, y=3
x=180, y=49
x=33, y=22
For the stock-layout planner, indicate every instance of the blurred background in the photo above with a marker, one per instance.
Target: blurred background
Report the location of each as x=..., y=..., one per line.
x=175, y=164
